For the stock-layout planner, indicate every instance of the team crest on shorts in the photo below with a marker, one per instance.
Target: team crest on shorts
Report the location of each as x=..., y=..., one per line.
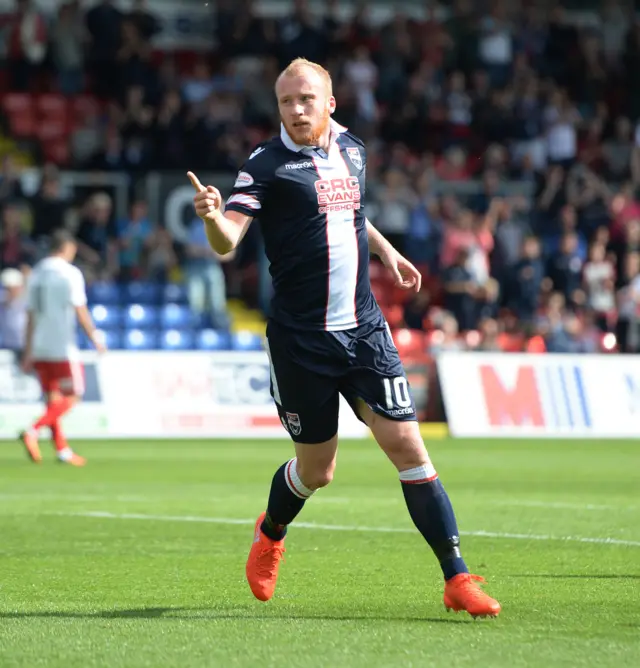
x=293, y=420
x=354, y=155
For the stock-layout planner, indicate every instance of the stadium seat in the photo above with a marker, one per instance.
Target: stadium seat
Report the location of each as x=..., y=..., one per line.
x=111, y=337
x=174, y=316
x=174, y=293
x=246, y=341
x=174, y=339
x=106, y=316
x=138, y=316
x=138, y=339
x=382, y=292
x=102, y=292
x=410, y=343
x=213, y=339
x=139, y=292
x=394, y=315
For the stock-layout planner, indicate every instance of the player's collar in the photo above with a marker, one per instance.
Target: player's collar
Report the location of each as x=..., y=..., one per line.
x=336, y=131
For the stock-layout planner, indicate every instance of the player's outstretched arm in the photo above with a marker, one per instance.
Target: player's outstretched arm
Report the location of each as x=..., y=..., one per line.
x=224, y=230
x=87, y=324
x=27, y=360
x=404, y=273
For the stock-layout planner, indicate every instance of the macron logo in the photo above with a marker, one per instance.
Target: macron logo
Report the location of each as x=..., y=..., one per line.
x=298, y=165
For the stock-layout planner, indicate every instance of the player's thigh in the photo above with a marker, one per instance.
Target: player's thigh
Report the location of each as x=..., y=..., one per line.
x=307, y=401
x=69, y=379
x=380, y=394
x=400, y=440
x=47, y=383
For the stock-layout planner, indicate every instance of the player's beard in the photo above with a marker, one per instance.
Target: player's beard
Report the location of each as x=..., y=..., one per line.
x=309, y=135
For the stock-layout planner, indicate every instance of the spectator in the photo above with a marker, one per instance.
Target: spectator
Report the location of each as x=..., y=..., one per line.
x=395, y=201
x=460, y=291
x=599, y=284
x=162, y=259
x=565, y=270
x=446, y=336
x=104, y=27
x=97, y=246
x=205, y=277
x=10, y=186
x=416, y=310
x=68, y=39
x=424, y=237
x=16, y=249
x=628, y=326
x=27, y=45
x=133, y=238
x=489, y=336
x=527, y=281
x=13, y=311
x=49, y=208
x=571, y=338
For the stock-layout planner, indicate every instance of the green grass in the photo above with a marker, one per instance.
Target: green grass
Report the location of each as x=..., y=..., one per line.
x=82, y=591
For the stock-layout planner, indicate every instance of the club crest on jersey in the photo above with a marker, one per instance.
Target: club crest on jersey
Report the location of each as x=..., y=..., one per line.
x=354, y=155
x=243, y=180
x=293, y=420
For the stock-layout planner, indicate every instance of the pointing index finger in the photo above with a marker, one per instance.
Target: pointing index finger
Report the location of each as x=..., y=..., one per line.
x=195, y=182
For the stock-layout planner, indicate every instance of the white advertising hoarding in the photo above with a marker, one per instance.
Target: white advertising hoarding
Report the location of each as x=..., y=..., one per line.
x=156, y=395
x=505, y=394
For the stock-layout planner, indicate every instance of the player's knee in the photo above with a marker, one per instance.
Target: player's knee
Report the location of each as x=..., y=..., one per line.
x=401, y=442
x=316, y=477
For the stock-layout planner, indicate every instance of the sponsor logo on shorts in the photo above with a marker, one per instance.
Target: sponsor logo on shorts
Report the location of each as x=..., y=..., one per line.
x=399, y=412
x=243, y=180
x=293, y=420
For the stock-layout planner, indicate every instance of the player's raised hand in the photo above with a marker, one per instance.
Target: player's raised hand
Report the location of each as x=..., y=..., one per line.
x=406, y=276
x=207, y=200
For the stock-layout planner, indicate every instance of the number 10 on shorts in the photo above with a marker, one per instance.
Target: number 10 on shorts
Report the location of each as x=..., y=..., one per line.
x=396, y=392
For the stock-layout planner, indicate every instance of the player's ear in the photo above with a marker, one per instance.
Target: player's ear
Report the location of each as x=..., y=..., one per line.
x=332, y=104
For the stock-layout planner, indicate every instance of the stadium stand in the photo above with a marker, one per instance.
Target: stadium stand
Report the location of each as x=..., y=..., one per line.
x=503, y=151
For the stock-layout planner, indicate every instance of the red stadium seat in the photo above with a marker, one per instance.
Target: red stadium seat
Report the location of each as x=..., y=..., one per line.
x=393, y=315
x=382, y=292
x=83, y=106
x=56, y=150
x=410, y=343
x=17, y=103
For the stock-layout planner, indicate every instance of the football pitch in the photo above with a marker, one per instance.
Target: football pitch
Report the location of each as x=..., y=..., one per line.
x=138, y=559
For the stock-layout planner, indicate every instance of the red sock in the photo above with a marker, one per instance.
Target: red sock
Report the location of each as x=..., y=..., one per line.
x=58, y=437
x=55, y=409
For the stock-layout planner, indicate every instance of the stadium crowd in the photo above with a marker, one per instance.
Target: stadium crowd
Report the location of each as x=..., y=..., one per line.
x=503, y=154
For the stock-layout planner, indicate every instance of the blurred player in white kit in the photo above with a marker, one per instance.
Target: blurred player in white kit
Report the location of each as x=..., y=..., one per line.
x=56, y=297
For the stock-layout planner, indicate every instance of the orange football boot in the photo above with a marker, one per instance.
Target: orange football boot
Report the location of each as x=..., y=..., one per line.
x=30, y=441
x=73, y=460
x=462, y=593
x=263, y=563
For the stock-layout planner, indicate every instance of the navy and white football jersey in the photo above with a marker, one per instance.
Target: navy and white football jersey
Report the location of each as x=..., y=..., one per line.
x=309, y=205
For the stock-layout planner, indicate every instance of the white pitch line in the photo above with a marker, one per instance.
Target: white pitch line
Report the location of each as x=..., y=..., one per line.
x=340, y=527
x=562, y=505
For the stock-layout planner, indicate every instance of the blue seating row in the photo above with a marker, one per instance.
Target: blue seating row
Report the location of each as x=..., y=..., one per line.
x=136, y=292
x=175, y=339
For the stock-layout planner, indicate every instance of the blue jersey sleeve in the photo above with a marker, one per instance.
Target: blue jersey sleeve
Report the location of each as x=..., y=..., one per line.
x=250, y=188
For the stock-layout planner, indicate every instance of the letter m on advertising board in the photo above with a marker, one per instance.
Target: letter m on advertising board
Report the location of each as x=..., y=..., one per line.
x=515, y=402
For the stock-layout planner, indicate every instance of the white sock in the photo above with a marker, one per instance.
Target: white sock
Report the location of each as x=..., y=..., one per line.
x=293, y=480
x=419, y=474
x=65, y=454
